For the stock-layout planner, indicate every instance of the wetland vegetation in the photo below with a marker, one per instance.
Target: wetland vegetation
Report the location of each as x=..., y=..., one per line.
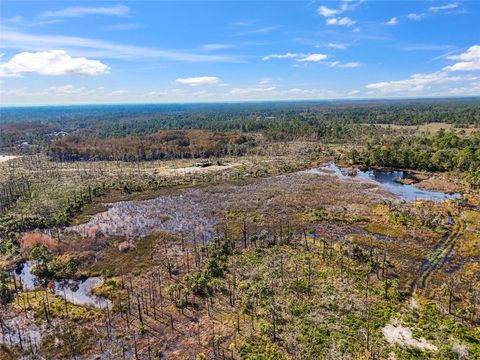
x=241, y=231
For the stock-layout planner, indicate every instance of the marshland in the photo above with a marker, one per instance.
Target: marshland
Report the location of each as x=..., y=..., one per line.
x=277, y=242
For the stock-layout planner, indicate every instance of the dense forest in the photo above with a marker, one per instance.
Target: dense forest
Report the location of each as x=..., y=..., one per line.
x=331, y=121
x=162, y=145
x=443, y=151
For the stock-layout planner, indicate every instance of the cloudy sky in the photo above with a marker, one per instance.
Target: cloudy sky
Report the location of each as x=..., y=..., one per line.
x=157, y=51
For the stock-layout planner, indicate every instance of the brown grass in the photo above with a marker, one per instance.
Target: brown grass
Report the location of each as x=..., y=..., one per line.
x=33, y=239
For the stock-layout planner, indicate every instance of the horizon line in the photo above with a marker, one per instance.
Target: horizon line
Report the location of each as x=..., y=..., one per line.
x=472, y=97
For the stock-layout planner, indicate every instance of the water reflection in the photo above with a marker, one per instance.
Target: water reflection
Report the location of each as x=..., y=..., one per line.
x=388, y=180
x=76, y=292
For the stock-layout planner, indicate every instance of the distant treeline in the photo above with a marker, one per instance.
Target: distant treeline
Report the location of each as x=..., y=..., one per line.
x=443, y=151
x=162, y=145
x=328, y=121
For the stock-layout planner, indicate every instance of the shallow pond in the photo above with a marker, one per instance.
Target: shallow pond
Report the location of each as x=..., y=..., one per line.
x=387, y=181
x=76, y=292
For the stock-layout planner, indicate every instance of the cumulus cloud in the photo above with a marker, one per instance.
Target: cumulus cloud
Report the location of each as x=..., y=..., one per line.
x=392, y=22
x=469, y=60
x=116, y=10
x=345, y=21
x=54, y=63
x=199, y=80
x=418, y=82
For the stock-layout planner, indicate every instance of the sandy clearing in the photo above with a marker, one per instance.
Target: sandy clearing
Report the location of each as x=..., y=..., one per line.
x=195, y=169
x=4, y=158
x=401, y=335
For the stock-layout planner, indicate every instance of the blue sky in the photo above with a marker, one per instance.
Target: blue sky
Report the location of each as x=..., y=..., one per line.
x=159, y=51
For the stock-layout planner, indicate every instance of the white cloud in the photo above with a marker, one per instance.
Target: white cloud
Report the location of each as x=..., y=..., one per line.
x=203, y=94
x=327, y=12
x=348, y=65
x=116, y=10
x=199, y=80
x=67, y=90
x=251, y=91
x=474, y=89
x=63, y=94
x=298, y=93
x=298, y=57
x=154, y=94
x=288, y=55
x=54, y=62
x=392, y=22
x=119, y=92
x=99, y=48
x=313, y=58
x=469, y=60
x=346, y=5
x=416, y=17
x=433, y=10
x=337, y=46
x=443, y=7
x=418, y=82
x=345, y=21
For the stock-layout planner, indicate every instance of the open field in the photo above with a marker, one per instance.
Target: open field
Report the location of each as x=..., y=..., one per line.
x=431, y=128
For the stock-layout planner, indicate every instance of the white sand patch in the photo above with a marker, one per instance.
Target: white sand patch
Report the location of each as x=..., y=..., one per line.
x=398, y=334
x=4, y=158
x=461, y=350
x=195, y=169
x=413, y=303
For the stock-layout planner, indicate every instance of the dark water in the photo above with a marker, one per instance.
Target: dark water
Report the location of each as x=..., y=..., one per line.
x=387, y=181
x=76, y=292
